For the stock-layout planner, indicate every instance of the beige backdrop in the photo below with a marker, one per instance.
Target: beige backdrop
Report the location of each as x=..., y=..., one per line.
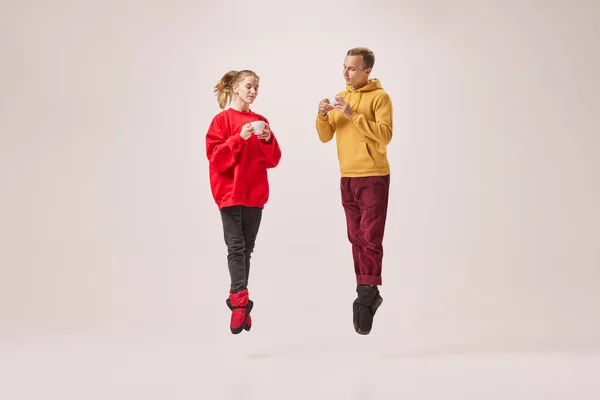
x=107, y=225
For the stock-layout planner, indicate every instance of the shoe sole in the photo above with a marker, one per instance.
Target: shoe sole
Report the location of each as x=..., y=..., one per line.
x=246, y=326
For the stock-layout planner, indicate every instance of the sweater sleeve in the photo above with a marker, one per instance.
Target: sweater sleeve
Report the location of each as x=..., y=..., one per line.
x=222, y=151
x=325, y=127
x=379, y=130
x=270, y=149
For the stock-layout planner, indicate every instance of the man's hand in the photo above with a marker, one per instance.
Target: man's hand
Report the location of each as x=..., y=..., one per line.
x=344, y=107
x=324, y=107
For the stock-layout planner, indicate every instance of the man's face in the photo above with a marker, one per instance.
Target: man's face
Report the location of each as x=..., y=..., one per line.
x=354, y=73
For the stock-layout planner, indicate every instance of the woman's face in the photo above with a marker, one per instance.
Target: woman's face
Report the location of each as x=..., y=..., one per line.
x=247, y=89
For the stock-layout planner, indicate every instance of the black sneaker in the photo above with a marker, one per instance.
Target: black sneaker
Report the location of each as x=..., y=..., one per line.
x=364, y=308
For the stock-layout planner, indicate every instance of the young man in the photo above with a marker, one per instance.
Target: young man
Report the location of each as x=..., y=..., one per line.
x=362, y=118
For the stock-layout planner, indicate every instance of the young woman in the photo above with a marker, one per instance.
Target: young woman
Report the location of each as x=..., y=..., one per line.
x=239, y=154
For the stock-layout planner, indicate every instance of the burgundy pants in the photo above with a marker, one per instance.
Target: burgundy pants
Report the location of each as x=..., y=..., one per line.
x=365, y=202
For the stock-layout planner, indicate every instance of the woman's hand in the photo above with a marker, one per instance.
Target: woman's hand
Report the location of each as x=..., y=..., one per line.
x=266, y=133
x=246, y=131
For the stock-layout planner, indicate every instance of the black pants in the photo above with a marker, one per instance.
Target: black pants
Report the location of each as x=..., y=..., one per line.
x=240, y=228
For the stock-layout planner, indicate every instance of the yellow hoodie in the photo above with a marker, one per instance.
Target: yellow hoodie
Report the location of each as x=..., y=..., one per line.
x=362, y=140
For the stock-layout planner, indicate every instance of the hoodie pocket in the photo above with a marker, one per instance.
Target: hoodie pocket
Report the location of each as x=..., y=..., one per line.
x=355, y=156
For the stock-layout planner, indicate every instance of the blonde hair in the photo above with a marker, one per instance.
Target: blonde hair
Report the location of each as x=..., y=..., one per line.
x=224, y=88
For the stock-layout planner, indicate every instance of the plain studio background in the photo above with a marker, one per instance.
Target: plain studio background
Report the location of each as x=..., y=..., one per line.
x=108, y=226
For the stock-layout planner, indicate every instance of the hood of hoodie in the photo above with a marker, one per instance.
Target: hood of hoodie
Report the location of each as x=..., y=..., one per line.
x=353, y=96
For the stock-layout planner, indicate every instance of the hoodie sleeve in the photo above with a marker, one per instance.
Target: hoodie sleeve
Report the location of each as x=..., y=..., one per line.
x=222, y=152
x=325, y=127
x=270, y=149
x=381, y=129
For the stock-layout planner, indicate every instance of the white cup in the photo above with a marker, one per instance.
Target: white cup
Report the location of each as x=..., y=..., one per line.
x=258, y=126
x=333, y=100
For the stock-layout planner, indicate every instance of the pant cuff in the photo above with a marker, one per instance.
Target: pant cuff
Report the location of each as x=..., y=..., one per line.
x=372, y=280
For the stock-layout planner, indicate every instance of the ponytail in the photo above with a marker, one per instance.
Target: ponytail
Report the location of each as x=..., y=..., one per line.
x=224, y=89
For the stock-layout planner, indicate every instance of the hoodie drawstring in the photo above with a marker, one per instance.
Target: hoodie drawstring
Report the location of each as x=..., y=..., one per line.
x=355, y=105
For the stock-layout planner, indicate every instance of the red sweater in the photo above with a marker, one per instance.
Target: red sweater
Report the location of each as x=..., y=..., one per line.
x=238, y=167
